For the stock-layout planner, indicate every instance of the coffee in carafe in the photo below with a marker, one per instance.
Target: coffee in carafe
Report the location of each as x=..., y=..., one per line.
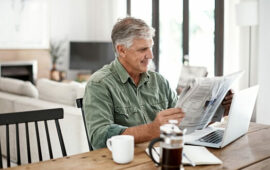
x=171, y=158
x=171, y=146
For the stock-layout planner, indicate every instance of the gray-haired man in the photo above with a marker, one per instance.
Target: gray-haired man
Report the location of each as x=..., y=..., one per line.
x=124, y=97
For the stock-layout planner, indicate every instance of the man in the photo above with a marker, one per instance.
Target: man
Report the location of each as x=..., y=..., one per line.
x=124, y=97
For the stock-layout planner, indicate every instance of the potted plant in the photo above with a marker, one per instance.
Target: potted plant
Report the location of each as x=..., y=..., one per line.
x=57, y=51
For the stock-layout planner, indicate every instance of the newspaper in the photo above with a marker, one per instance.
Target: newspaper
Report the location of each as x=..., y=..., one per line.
x=201, y=98
x=190, y=72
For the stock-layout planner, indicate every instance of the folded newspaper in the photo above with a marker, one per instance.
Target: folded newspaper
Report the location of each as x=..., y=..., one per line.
x=201, y=98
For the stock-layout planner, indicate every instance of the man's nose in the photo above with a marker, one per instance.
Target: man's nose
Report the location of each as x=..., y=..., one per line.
x=149, y=54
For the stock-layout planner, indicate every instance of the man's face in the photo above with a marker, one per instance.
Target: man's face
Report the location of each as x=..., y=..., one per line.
x=137, y=57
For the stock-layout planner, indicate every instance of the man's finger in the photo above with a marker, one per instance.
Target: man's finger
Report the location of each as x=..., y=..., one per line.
x=230, y=91
x=226, y=105
x=171, y=111
x=229, y=97
x=175, y=116
x=226, y=102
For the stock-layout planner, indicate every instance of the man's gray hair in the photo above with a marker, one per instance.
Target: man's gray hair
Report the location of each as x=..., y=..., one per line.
x=125, y=30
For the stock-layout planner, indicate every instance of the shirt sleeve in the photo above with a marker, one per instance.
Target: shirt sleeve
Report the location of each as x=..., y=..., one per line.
x=98, y=108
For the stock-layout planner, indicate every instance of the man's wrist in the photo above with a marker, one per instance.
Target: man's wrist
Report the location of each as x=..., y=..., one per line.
x=154, y=129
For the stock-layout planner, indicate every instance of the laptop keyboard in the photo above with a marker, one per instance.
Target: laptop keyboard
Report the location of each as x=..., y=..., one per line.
x=213, y=137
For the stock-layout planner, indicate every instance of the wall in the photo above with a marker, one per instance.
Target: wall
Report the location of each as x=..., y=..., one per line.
x=24, y=24
x=231, y=40
x=41, y=56
x=72, y=20
x=263, y=111
x=83, y=20
x=24, y=36
x=237, y=48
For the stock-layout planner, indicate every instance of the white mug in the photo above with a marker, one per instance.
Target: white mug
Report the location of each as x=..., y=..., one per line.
x=122, y=148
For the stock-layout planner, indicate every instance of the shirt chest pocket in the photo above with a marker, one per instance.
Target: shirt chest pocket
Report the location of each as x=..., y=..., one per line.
x=159, y=106
x=127, y=116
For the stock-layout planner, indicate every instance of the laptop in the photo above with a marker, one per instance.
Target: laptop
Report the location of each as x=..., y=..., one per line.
x=238, y=122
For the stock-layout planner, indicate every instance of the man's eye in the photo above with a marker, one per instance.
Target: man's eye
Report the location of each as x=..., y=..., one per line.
x=144, y=49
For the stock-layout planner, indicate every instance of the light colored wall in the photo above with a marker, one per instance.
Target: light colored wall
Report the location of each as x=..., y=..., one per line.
x=74, y=20
x=263, y=104
x=231, y=40
x=237, y=48
x=83, y=20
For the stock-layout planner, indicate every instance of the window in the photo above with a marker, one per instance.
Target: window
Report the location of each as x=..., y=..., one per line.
x=184, y=27
x=201, y=34
x=142, y=9
x=170, y=47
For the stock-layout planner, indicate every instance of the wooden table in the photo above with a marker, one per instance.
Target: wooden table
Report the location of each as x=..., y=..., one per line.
x=251, y=151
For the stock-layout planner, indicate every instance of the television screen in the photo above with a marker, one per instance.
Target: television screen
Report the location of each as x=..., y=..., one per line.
x=90, y=55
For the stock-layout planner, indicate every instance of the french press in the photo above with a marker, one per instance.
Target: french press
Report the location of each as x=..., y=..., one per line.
x=171, y=146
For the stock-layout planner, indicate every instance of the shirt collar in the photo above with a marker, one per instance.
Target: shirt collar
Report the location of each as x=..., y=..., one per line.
x=144, y=78
x=123, y=74
x=121, y=71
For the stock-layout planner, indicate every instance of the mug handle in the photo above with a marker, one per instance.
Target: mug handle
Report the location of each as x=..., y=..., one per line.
x=109, y=144
x=150, y=147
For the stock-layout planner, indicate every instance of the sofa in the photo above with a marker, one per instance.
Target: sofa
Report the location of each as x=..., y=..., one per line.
x=17, y=95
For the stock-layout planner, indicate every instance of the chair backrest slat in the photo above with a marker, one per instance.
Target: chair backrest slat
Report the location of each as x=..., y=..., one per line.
x=8, y=147
x=38, y=142
x=79, y=102
x=1, y=163
x=80, y=105
x=28, y=143
x=48, y=139
x=60, y=138
x=31, y=116
x=18, y=145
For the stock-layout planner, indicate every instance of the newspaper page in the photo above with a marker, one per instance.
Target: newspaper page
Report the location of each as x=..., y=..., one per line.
x=190, y=72
x=201, y=98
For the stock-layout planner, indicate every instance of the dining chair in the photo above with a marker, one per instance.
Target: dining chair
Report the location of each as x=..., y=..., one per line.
x=79, y=103
x=27, y=117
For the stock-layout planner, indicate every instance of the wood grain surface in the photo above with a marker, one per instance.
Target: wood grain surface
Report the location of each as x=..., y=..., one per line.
x=248, y=152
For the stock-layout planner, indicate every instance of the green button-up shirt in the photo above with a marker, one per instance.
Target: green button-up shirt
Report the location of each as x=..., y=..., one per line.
x=112, y=102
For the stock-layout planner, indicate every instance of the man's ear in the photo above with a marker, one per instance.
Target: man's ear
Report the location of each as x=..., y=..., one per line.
x=121, y=50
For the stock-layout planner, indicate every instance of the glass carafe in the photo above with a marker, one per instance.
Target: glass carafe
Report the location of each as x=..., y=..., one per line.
x=171, y=146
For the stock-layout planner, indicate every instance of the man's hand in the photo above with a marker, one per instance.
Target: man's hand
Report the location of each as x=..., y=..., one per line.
x=164, y=116
x=226, y=103
x=147, y=132
x=179, y=90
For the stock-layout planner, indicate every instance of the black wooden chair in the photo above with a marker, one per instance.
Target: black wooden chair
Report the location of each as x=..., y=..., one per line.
x=80, y=105
x=31, y=117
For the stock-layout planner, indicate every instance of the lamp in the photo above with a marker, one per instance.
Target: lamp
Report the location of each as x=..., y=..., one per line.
x=247, y=15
